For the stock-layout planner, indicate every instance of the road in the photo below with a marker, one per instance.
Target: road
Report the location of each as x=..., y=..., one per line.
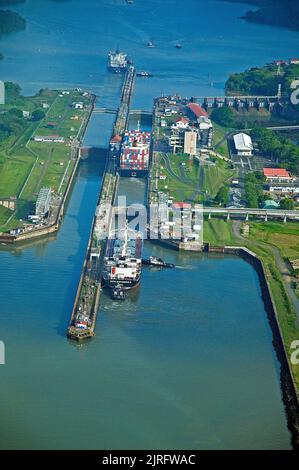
x=280, y=263
x=251, y=211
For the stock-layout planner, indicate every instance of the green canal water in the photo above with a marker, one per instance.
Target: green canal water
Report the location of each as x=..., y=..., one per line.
x=187, y=360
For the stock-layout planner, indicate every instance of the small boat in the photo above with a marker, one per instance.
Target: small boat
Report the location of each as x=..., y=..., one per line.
x=118, y=293
x=178, y=46
x=130, y=2
x=157, y=262
x=150, y=44
x=144, y=74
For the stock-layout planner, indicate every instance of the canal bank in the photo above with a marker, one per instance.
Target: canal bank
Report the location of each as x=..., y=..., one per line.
x=287, y=379
x=289, y=382
x=171, y=362
x=53, y=227
x=86, y=305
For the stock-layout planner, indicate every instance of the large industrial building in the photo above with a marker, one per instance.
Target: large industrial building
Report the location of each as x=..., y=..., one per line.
x=243, y=144
x=43, y=202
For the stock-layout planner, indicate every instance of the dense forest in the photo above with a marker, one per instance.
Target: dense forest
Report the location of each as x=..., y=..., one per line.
x=273, y=12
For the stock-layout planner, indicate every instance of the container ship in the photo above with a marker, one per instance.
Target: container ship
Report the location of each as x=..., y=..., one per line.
x=134, y=157
x=118, y=62
x=123, y=259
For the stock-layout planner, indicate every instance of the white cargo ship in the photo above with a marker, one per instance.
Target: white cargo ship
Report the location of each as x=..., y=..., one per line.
x=123, y=259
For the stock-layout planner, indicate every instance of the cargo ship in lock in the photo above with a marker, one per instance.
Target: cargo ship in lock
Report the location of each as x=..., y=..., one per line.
x=123, y=259
x=118, y=62
x=134, y=157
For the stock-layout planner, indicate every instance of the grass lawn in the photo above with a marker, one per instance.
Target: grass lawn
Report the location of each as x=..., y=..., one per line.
x=13, y=174
x=218, y=134
x=182, y=186
x=5, y=215
x=284, y=236
x=190, y=182
x=217, y=231
x=216, y=176
x=25, y=165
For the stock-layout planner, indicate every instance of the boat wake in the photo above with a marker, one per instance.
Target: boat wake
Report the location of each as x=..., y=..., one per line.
x=185, y=267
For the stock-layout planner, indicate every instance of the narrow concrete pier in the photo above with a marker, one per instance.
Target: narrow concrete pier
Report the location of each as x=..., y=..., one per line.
x=87, y=300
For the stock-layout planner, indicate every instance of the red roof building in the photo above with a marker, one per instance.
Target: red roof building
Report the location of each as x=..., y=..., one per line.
x=276, y=174
x=197, y=110
x=181, y=205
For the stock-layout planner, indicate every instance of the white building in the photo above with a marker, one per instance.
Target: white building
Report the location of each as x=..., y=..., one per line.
x=243, y=144
x=288, y=189
x=205, y=131
x=181, y=123
x=49, y=138
x=78, y=105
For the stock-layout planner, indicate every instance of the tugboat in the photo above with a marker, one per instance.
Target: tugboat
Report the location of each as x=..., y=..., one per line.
x=157, y=262
x=144, y=74
x=178, y=46
x=118, y=293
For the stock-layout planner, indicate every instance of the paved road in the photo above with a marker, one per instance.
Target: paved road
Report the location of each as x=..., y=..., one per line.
x=251, y=211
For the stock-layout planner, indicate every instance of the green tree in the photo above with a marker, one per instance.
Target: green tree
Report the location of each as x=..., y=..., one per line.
x=15, y=112
x=224, y=116
x=254, y=189
x=287, y=204
x=37, y=115
x=222, y=195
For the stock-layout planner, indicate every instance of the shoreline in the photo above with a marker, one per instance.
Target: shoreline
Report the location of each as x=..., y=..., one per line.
x=8, y=239
x=290, y=394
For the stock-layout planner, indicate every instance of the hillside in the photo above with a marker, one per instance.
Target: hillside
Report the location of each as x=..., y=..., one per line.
x=263, y=80
x=283, y=13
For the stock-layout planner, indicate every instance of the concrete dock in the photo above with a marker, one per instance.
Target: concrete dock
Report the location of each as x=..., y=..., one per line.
x=86, y=305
